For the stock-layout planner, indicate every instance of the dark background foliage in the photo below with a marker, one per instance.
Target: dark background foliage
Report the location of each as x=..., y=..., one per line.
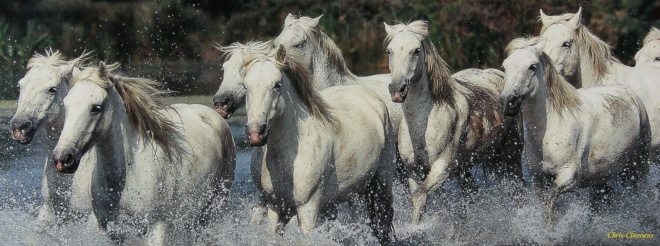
x=173, y=40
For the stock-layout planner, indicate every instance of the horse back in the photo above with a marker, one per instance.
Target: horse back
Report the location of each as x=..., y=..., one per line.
x=619, y=130
x=363, y=131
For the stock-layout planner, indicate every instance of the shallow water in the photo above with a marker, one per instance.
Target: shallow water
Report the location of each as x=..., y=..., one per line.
x=492, y=217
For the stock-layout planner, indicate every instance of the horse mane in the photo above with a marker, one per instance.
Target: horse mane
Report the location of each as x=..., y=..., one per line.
x=141, y=102
x=327, y=45
x=441, y=83
x=653, y=35
x=562, y=94
x=599, y=53
x=245, y=49
x=51, y=59
x=301, y=80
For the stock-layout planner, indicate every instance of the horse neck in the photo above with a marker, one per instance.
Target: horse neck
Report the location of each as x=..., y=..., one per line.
x=588, y=75
x=419, y=95
x=535, y=112
x=116, y=149
x=285, y=128
x=327, y=74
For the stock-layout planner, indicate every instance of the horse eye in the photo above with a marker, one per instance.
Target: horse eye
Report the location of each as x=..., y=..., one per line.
x=416, y=52
x=277, y=86
x=52, y=90
x=532, y=67
x=96, y=109
x=299, y=45
x=566, y=45
x=657, y=59
x=388, y=51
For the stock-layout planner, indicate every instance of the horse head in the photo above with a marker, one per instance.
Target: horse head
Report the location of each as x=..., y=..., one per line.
x=231, y=94
x=42, y=90
x=406, y=53
x=561, y=34
x=301, y=38
x=522, y=67
x=264, y=83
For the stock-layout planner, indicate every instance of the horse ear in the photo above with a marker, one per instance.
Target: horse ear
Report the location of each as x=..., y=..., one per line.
x=539, y=46
x=544, y=18
x=281, y=53
x=289, y=18
x=103, y=71
x=388, y=29
x=68, y=72
x=576, y=19
x=315, y=21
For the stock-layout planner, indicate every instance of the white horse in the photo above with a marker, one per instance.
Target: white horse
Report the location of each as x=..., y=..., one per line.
x=587, y=61
x=650, y=51
x=449, y=125
x=573, y=138
x=66, y=197
x=161, y=168
x=323, y=147
x=231, y=96
x=316, y=52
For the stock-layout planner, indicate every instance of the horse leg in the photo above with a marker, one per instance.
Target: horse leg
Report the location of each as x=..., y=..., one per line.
x=277, y=220
x=379, y=204
x=549, y=205
x=158, y=233
x=511, y=156
x=564, y=180
x=542, y=183
x=308, y=212
x=259, y=211
x=437, y=175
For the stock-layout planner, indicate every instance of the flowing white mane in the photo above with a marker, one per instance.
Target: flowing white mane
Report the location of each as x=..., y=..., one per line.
x=247, y=48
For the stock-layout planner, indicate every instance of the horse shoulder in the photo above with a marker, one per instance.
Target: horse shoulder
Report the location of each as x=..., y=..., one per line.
x=491, y=79
x=444, y=128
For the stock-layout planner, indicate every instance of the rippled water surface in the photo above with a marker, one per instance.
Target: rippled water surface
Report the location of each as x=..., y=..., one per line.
x=492, y=217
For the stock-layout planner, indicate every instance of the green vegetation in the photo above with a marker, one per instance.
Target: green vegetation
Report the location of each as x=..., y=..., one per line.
x=181, y=33
x=16, y=46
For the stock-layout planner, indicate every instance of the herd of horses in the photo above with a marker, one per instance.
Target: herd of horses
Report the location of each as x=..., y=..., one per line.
x=563, y=105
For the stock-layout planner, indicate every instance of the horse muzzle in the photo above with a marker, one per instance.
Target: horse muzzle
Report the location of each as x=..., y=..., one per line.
x=224, y=105
x=511, y=105
x=65, y=163
x=399, y=92
x=22, y=132
x=257, y=136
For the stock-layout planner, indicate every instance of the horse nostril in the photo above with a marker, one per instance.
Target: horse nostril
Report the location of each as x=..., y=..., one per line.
x=513, y=101
x=25, y=126
x=68, y=159
x=262, y=129
x=220, y=101
x=403, y=88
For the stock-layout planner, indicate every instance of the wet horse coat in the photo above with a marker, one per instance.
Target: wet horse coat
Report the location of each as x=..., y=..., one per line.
x=162, y=168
